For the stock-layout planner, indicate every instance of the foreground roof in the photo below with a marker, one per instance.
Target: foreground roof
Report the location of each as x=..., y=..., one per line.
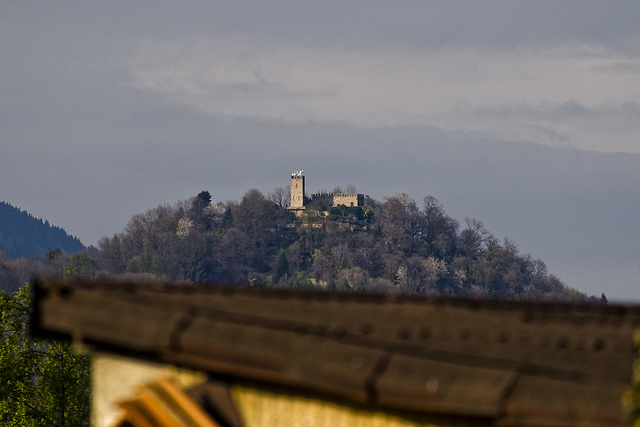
x=515, y=363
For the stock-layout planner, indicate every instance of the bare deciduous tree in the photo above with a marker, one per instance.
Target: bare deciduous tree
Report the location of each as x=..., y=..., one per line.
x=280, y=196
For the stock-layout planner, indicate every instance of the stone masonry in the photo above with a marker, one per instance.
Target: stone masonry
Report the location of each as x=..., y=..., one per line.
x=298, y=201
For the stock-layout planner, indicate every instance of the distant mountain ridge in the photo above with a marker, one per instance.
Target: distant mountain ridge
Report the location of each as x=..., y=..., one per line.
x=22, y=234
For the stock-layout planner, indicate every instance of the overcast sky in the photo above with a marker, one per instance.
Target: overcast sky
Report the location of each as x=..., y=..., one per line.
x=524, y=115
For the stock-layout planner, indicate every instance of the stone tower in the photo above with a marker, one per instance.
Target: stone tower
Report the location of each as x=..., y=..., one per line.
x=297, y=190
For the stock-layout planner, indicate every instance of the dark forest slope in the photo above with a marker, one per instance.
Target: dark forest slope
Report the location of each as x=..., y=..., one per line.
x=21, y=234
x=390, y=246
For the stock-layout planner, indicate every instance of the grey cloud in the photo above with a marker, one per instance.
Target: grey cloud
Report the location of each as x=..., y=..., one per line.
x=620, y=67
x=431, y=24
x=624, y=115
x=568, y=124
x=564, y=111
x=263, y=90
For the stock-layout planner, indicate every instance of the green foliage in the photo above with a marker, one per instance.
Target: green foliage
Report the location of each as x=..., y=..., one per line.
x=204, y=198
x=367, y=213
x=299, y=281
x=282, y=266
x=317, y=206
x=81, y=265
x=42, y=382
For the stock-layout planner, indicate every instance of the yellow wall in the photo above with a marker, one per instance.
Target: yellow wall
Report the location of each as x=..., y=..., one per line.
x=274, y=409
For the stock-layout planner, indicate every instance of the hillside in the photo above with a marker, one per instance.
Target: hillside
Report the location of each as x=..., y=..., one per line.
x=389, y=246
x=21, y=234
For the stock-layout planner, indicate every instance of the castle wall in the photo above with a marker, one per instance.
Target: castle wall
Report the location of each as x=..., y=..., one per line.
x=348, y=200
x=297, y=201
x=335, y=199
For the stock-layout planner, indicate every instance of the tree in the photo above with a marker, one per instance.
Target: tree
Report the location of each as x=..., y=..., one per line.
x=81, y=265
x=111, y=256
x=204, y=198
x=474, y=237
x=281, y=196
x=436, y=222
x=198, y=210
x=401, y=211
x=367, y=213
x=281, y=269
x=400, y=246
x=54, y=263
x=351, y=189
x=8, y=275
x=258, y=217
x=42, y=382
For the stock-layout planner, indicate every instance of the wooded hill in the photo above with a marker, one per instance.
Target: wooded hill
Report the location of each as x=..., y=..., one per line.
x=389, y=246
x=22, y=234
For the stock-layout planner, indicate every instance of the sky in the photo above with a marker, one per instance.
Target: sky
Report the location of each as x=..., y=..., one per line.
x=523, y=115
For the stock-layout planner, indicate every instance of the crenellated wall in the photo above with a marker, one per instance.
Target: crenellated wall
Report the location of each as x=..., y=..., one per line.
x=335, y=199
x=297, y=202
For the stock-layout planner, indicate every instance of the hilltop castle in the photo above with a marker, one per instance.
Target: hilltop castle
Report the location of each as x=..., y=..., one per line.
x=299, y=202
